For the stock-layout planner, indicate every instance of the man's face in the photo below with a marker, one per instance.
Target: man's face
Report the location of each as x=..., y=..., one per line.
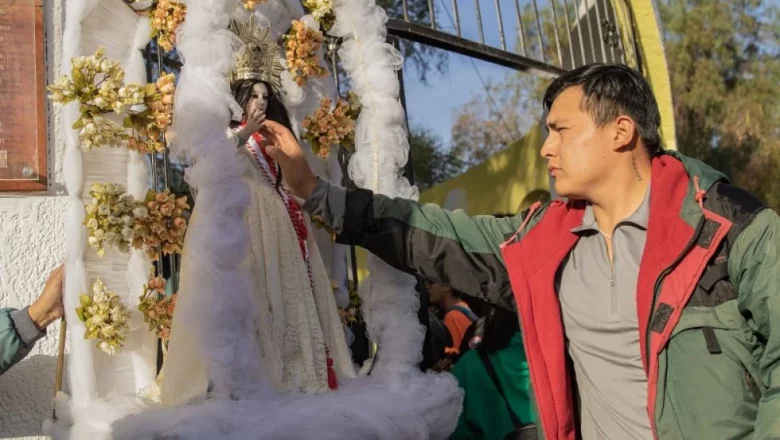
x=436, y=292
x=578, y=152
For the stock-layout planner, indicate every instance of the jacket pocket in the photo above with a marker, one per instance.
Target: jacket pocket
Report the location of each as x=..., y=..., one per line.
x=712, y=392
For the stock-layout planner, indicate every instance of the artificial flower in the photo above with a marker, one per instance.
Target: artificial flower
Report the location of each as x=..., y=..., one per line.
x=105, y=317
x=301, y=46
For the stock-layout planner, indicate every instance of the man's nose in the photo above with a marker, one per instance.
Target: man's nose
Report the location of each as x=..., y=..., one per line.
x=547, y=148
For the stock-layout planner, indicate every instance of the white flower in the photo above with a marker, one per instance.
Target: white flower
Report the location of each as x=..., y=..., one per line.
x=99, y=234
x=127, y=220
x=92, y=208
x=78, y=62
x=106, y=348
x=114, y=220
x=96, y=319
x=141, y=212
x=92, y=223
x=104, y=209
x=93, y=241
x=90, y=128
x=127, y=233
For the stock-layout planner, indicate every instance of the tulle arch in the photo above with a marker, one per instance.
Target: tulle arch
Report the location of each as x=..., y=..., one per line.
x=397, y=400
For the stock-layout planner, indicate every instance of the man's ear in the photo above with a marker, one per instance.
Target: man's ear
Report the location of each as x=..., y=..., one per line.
x=625, y=133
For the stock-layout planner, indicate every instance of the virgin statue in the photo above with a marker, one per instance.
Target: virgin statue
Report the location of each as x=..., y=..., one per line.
x=298, y=329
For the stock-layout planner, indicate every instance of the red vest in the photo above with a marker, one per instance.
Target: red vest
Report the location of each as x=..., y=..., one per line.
x=674, y=258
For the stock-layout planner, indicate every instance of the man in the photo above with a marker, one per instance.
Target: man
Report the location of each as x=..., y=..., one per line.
x=19, y=329
x=648, y=301
x=457, y=314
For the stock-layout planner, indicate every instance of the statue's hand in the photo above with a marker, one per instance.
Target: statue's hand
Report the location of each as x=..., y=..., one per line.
x=255, y=121
x=287, y=152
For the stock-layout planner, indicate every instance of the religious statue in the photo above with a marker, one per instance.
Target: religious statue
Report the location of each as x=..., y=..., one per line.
x=298, y=328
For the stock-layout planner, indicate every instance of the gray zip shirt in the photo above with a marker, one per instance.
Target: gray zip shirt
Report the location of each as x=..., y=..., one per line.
x=598, y=306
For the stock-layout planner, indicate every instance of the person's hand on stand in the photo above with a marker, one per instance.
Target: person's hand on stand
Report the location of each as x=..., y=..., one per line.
x=287, y=152
x=48, y=307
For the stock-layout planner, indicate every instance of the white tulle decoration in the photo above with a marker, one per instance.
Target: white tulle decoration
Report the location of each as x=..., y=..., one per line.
x=388, y=299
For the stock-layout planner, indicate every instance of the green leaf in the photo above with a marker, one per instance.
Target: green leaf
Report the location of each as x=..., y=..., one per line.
x=85, y=300
x=80, y=314
x=150, y=89
x=128, y=122
x=79, y=124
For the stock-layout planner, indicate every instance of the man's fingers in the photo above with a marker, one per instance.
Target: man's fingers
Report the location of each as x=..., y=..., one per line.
x=273, y=127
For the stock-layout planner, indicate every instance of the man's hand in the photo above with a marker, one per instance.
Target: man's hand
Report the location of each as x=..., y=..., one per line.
x=287, y=152
x=48, y=307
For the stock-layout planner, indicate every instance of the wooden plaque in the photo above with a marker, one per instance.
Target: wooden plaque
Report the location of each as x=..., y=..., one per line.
x=22, y=97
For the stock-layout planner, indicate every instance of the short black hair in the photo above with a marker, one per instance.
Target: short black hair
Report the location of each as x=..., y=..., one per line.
x=611, y=90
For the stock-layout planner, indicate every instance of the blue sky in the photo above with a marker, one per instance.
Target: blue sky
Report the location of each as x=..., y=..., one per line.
x=433, y=106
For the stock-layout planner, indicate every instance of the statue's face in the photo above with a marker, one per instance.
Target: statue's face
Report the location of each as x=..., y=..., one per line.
x=259, y=99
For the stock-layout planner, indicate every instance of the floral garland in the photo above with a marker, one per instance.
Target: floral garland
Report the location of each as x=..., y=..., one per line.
x=105, y=317
x=166, y=16
x=302, y=44
x=157, y=308
x=322, y=11
x=332, y=125
x=149, y=125
x=98, y=85
x=160, y=224
x=110, y=218
x=117, y=220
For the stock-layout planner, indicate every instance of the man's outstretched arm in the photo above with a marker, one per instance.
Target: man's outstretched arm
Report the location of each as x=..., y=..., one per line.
x=446, y=247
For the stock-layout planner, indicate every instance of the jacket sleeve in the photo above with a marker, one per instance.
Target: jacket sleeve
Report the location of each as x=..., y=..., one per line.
x=754, y=267
x=449, y=248
x=17, y=336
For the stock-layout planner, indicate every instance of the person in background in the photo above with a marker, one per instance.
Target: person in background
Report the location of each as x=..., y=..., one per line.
x=494, y=375
x=19, y=329
x=457, y=315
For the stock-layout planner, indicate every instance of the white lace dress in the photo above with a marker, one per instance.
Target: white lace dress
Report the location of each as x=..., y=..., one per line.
x=298, y=329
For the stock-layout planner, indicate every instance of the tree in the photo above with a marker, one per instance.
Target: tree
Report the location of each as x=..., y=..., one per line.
x=431, y=162
x=495, y=118
x=724, y=65
x=502, y=112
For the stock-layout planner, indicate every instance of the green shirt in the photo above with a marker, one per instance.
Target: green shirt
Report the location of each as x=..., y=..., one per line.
x=485, y=415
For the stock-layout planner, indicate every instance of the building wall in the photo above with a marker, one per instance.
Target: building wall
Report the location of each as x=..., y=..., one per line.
x=32, y=243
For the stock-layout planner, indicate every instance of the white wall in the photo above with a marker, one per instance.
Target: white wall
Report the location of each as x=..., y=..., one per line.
x=32, y=243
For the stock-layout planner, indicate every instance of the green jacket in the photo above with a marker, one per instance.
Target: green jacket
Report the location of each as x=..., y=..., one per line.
x=18, y=334
x=485, y=415
x=708, y=294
